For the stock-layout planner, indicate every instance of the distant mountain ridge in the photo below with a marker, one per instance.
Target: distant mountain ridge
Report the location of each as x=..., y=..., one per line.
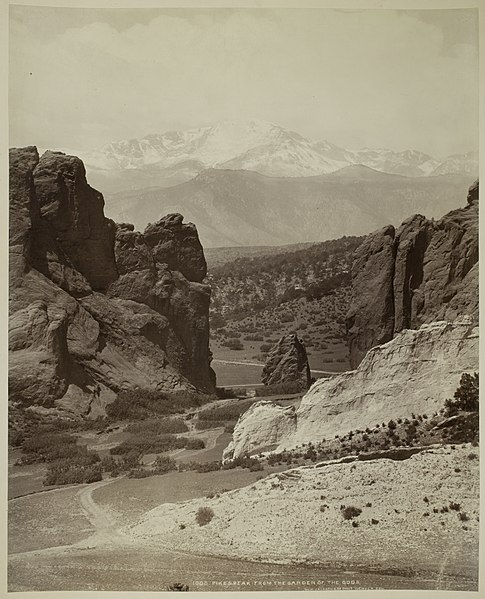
x=176, y=156
x=244, y=208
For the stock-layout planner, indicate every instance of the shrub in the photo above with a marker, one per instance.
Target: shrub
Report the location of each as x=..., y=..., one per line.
x=374, y=521
x=355, y=524
x=138, y=404
x=149, y=443
x=69, y=473
x=202, y=425
x=178, y=586
x=350, y=512
x=288, y=388
x=454, y=506
x=254, y=338
x=158, y=426
x=139, y=473
x=207, y=466
x=164, y=464
x=195, y=444
x=463, y=517
x=204, y=516
x=234, y=344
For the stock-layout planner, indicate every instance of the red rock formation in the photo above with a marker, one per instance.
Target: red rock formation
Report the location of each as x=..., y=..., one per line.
x=94, y=307
x=426, y=270
x=287, y=362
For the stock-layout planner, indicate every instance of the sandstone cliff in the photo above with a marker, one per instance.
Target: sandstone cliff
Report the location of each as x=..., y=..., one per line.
x=96, y=307
x=424, y=271
x=413, y=373
x=287, y=362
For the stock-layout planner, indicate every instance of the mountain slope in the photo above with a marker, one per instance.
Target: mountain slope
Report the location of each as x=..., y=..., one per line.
x=176, y=156
x=245, y=208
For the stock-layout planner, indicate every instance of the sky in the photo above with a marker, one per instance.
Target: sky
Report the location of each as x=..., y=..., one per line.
x=401, y=79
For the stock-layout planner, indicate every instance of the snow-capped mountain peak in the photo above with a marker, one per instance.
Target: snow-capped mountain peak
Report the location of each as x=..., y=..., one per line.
x=264, y=147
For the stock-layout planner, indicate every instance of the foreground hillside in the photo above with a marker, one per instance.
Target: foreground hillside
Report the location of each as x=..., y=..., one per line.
x=238, y=207
x=415, y=515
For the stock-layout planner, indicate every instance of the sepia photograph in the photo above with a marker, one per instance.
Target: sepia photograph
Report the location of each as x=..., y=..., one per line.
x=243, y=287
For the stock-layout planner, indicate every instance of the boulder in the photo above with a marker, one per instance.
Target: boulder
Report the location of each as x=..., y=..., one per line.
x=287, y=362
x=426, y=270
x=93, y=308
x=261, y=428
x=413, y=373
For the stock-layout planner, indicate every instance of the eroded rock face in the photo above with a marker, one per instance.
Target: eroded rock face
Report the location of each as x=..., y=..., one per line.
x=261, y=428
x=370, y=320
x=413, y=373
x=94, y=307
x=287, y=362
x=425, y=271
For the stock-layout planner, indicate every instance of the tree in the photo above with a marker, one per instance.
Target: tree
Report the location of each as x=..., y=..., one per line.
x=466, y=396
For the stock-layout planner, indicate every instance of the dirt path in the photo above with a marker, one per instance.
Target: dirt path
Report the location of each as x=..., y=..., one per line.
x=104, y=528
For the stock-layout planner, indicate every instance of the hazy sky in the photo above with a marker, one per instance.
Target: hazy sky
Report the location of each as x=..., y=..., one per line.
x=381, y=78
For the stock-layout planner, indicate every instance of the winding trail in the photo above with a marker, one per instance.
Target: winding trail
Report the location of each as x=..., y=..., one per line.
x=104, y=528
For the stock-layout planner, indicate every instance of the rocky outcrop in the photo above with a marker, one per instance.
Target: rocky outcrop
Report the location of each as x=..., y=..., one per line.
x=95, y=307
x=413, y=373
x=261, y=428
x=287, y=362
x=424, y=271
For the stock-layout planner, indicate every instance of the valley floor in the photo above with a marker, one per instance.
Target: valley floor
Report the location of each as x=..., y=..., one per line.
x=126, y=534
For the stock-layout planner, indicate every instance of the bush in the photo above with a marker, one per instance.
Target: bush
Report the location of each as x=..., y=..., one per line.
x=139, y=473
x=149, y=443
x=158, y=426
x=350, y=512
x=138, y=404
x=164, y=464
x=69, y=473
x=206, y=466
x=288, y=388
x=195, y=444
x=234, y=344
x=204, y=516
x=202, y=425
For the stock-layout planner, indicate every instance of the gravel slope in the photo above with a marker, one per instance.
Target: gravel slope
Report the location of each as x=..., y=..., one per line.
x=279, y=518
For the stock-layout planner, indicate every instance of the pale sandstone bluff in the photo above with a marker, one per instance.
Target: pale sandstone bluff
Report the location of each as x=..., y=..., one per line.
x=262, y=427
x=413, y=373
x=295, y=516
x=424, y=271
x=287, y=362
x=96, y=307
